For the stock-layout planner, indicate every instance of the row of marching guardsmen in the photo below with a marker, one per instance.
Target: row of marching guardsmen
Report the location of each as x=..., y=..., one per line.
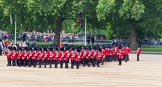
x=63, y=56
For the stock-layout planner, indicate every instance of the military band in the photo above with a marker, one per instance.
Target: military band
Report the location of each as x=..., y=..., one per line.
x=65, y=56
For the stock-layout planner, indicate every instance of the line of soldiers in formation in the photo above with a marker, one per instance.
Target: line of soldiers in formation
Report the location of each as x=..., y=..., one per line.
x=74, y=56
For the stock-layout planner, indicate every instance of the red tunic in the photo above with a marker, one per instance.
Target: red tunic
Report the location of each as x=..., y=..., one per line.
x=120, y=54
x=115, y=50
x=93, y=54
x=55, y=55
x=139, y=51
x=18, y=54
x=39, y=54
x=88, y=55
x=77, y=57
x=8, y=53
x=44, y=55
x=34, y=55
x=82, y=54
x=72, y=55
x=98, y=55
x=13, y=55
x=66, y=55
x=24, y=55
x=29, y=55
x=60, y=55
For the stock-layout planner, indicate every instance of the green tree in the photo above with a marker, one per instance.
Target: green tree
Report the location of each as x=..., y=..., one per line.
x=130, y=10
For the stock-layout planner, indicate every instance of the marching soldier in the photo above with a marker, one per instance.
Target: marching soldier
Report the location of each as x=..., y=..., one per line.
x=120, y=55
x=77, y=58
x=83, y=56
x=61, y=57
x=8, y=53
x=72, y=57
x=24, y=57
x=88, y=57
x=18, y=57
x=44, y=56
x=98, y=57
x=55, y=57
x=34, y=57
x=13, y=56
x=115, y=53
x=138, y=52
x=40, y=57
x=29, y=57
x=103, y=56
x=66, y=57
x=50, y=55
x=93, y=57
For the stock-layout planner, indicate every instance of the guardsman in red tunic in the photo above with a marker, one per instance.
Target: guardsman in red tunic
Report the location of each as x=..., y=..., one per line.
x=106, y=54
x=111, y=54
x=50, y=56
x=24, y=56
x=55, y=57
x=124, y=54
x=72, y=57
x=44, y=57
x=8, y=53
x=77, y=58
x=128, y=49
x=115, y=57
x=103, y=56
x=61, y=57
x=29, y=57
x=93, y=57
x=13, y=56
x=40, y=57
x=66, y=57
x=98, y=57
x=83, y=56
x=18, y=57
x=138, y=52
x=120, y=55
x=88, y=57
x=34, y=57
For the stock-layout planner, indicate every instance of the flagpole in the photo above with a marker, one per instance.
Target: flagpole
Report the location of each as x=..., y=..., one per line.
x=15, y=30
x=85, y=32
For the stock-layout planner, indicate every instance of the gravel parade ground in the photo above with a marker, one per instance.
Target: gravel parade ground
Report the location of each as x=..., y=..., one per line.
x=145, y=73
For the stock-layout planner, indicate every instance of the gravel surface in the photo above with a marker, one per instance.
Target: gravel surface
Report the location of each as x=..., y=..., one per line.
x=145, y=73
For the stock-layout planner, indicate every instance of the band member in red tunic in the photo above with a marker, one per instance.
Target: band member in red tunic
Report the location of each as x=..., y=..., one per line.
x=138, y=52
x=120, y=55
x=8, y=53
